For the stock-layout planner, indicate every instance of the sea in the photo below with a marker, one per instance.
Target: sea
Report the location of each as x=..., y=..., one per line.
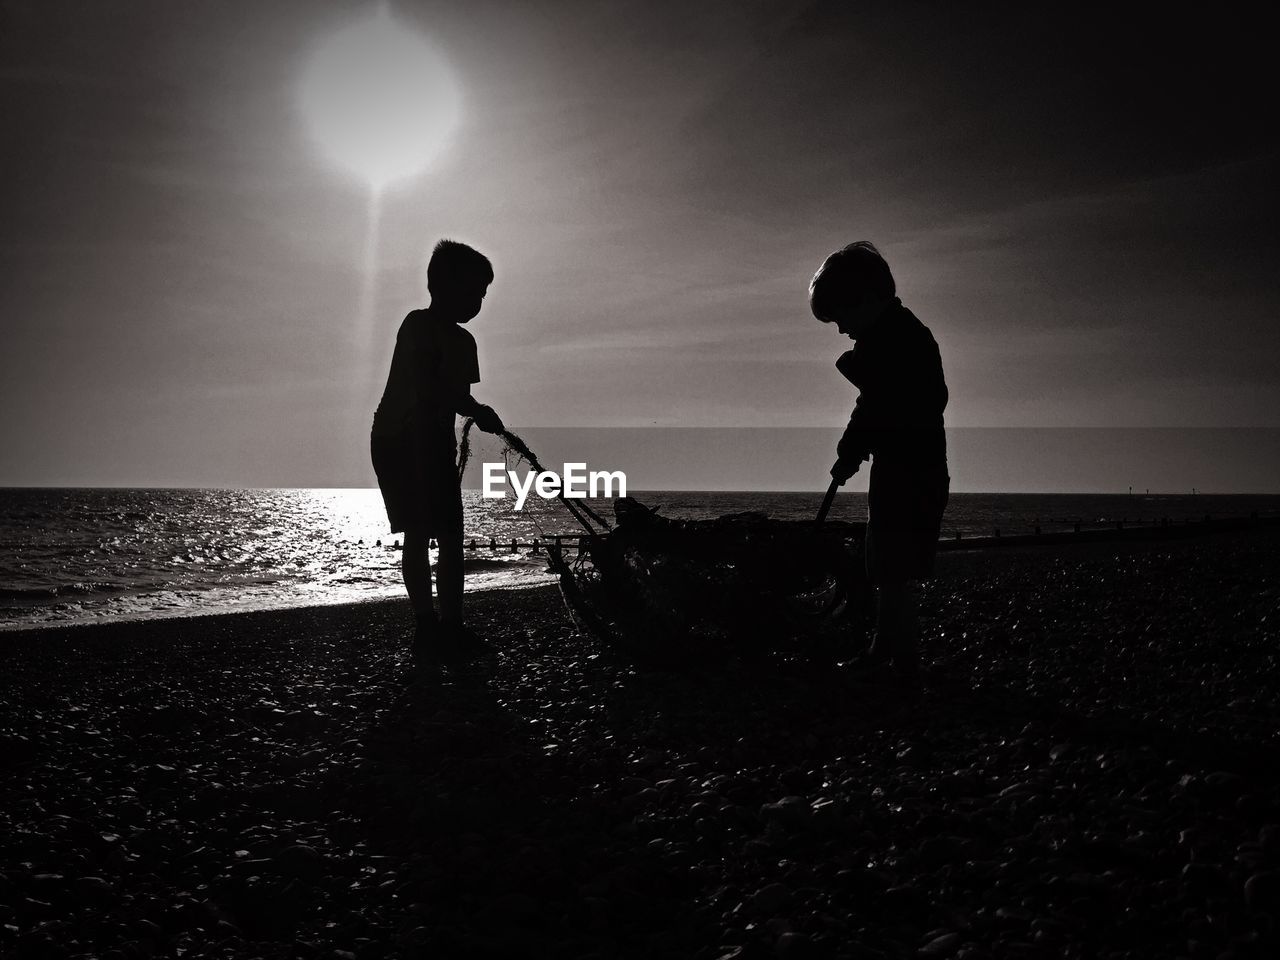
x=72, y=556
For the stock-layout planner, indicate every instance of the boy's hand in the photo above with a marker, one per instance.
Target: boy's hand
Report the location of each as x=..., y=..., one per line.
x=487, y=419
x=844, y=469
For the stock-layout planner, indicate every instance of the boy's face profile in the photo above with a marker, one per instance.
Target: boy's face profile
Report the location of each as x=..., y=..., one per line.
x=853, y=322
x=852, y=289
x=459, y=299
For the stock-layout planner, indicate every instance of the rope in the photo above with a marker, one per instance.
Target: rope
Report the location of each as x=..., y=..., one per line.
x=516, y=445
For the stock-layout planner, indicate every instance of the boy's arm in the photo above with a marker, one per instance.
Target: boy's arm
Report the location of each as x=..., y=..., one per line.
x=465, y=367
x=855, y=444
x=486, y=417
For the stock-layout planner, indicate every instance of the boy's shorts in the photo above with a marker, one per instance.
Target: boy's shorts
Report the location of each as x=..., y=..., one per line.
x=419, y=484
x=906, y=504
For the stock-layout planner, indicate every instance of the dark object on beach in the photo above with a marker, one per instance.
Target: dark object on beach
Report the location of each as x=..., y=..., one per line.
x=669, y=592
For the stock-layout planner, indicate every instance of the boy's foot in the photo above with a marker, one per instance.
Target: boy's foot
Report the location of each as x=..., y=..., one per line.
x=429, y=640
x=430, y=654
x=871, y=660
x=427, y=625
x=466, y=644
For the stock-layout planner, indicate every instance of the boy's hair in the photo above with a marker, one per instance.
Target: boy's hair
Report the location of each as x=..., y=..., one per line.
x=850, y=277
x=451, y=260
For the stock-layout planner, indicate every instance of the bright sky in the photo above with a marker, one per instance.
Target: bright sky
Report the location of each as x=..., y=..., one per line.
x=1085, y=220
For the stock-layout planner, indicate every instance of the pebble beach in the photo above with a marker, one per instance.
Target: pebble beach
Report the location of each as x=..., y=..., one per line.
x=1094, y=772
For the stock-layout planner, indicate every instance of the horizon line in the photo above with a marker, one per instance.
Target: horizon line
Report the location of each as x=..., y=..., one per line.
x=1197, y=492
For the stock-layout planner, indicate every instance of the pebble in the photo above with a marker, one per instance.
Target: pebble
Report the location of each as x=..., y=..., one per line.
x=791, y=811
x=943, y=945
x=1224, y=786
x=96, y=889
x=771, y=898
x=1262, y=892
x=793, y=945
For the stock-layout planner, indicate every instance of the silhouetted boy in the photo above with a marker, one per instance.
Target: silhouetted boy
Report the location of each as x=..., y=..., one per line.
x=414, y=446
x=897, y=424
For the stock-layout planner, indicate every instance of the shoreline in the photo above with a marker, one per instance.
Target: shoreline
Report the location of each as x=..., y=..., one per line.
x=1090, y=774
x=176, y=614
x=1084, y=539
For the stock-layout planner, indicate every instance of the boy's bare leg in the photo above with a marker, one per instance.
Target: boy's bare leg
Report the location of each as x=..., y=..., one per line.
x=449, y=589
x=898, y=627
x=415, y=566
x=449, y=579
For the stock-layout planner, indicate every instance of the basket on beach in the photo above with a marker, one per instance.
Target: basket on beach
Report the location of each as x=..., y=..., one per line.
x=666, y=592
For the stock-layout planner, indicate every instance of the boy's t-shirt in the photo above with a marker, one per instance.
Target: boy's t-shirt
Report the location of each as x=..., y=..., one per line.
x=897, y=419
x=434, y=362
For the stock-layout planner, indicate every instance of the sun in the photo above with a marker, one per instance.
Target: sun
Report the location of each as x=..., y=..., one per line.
x=379, y=100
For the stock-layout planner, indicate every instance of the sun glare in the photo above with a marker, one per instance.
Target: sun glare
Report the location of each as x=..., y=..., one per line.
x=379, y=99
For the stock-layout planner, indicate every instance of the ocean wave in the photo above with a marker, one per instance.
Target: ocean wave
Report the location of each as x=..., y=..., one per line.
x=52, y=591
x=28, y=593
x=92, y=586
x=470, y=564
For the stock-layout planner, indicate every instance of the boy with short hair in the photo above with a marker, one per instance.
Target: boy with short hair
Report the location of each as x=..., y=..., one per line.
x=414, y=446
x=897, y=424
